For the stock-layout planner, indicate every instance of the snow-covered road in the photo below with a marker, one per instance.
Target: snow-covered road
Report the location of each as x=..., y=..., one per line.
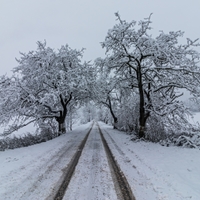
x=92, y=178
x=154, y=172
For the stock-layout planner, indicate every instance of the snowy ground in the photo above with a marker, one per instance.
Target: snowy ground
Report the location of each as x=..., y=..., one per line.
x=93, y=181
x=31, y=173
x=154, y=172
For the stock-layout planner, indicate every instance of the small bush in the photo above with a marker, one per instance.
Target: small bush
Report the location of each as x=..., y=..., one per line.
x=155, y=130
x=189, y=140
x=44, y=135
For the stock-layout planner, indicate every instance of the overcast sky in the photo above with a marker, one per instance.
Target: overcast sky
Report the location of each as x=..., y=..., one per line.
x=84, y=23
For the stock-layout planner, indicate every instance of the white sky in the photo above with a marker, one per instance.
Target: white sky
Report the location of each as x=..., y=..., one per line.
x=84, y=23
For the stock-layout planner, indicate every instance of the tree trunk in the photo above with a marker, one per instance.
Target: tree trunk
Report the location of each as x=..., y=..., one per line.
x=112, y=113
x=61, y=127
x=142, y=118
x=142, y=121
x=61, y=123
x=115, y=123
x=70, y=121
x=141, y=130
x=63, y=114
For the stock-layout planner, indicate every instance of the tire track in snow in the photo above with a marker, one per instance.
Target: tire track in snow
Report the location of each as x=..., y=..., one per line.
x=120, y=181
x=92, y=178
x=144, y=174
x=37, y=177
x=49, y=168
x=68, y=172
x=43, y=158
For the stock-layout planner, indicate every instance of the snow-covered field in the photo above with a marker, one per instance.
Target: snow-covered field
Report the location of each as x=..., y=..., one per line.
x=154, y=172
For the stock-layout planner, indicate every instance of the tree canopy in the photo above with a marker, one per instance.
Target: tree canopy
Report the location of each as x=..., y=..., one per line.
x=154, y=68
x=138, y=81
x=45, y=83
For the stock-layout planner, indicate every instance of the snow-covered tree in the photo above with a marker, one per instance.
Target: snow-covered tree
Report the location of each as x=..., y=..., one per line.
x=128, y=112
x=104, y=115
x=105, y=91
x=88, y=112
x=44, y=85
x=155, y=67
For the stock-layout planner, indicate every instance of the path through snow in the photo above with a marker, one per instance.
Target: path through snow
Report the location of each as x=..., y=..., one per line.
x=92, y=178
x=154, y=172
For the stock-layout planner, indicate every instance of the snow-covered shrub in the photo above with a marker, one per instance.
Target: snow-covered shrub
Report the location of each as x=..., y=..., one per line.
x=128, y=113
x=189, y=140
x=43, y=135
x=155, y=130
x=185, y=141
x=127, y=118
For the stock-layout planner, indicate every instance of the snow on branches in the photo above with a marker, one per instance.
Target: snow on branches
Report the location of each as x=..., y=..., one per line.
x=154, y=68
x=44, y=85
